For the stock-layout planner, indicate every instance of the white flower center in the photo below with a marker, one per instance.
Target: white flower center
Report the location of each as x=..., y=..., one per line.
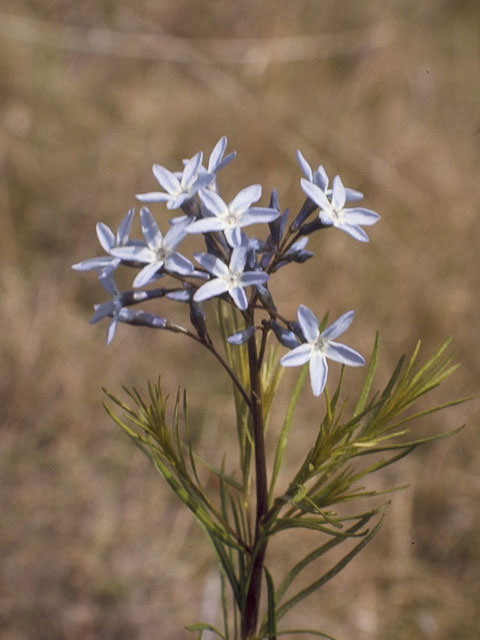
x=335, y=214
x=161, y=254
x=231, y=220
x=320, y=344
x=233, y=278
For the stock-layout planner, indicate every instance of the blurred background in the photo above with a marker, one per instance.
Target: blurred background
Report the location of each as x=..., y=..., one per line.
x=92, y=94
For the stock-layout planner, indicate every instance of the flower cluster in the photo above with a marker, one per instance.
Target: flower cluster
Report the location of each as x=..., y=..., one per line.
x=235, y=266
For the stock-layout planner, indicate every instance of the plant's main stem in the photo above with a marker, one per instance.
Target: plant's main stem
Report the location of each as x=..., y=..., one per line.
x=252, y=602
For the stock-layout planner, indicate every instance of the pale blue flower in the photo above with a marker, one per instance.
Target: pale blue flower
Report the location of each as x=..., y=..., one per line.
x=320, y=178
x=333, y=211
x=112, y=307
x=232, y=217
x=159, y=252
x=320, y=346
x=178, y=188
x=108, y=240
x=217, y=161
x=229, y=279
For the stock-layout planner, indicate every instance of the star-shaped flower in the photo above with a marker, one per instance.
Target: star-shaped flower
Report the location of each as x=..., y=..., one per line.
x=112, y=307
x=333, y=211
x=320, y=346
x=216, y=161
x=108, y=240
x=229, y=279
x=232, y=217
x=159, y=251
x=178, y=189
x=320, y=178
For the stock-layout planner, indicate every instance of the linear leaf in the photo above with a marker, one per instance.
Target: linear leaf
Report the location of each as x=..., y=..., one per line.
x=203, y=626
x=283, y=437
x=328, y=575
x=367, y=385
x=271, y=604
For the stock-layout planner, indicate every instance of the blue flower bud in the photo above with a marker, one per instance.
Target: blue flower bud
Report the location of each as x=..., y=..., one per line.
x=284, y=336
x=241, y=336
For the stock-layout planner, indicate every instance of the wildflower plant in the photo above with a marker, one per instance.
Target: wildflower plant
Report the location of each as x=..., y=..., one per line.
x=256, y=342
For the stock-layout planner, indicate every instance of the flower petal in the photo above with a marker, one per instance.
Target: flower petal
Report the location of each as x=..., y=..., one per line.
x=124, y=227
x=238, y=259
x=308, y=322
x=353, y=195
x=167, y=179
x=359, y=215
x=239, y=297
x=250, y=278
x=217, y=154
x=228, y=158
x=304, y=166
x=179, y=264
x=316, y=194
x=339, y=195
x=353, y=230
x=105, y=236
x=153, y=196
x=94, y=263
x=206, y=225
x=320, y=178
x=343, y=354
x=298, y=356
x=151, y=232
x=340, y=325
x=210, y=289
x=213, y=202
x=212, y=264
x=191, y=169
x=147, y=274
x=112, y=327
x=234, y=236
x=256, y=215
x=175, y=235
x=318, y=372
x=244, y=198
x=135, y=253
x=103, y=310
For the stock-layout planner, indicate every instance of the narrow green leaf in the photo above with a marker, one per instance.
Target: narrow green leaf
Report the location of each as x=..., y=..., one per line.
x=282, y=524
x=283, y=437
x=320, y=551
x=328, y=575
x=225, y=607
x=203, y=626
x=367, y=385
x=412, y=443
x=311, y=632
x=271, y=604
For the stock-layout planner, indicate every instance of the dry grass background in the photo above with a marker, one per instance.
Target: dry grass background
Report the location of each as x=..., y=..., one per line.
x=92, y=94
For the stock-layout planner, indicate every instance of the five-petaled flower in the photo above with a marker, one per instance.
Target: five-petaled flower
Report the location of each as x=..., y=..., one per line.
x=229, y=279
x=320, y=346
x=178, y=189
x=112, y=307
x=320, y=178
x=158, y=253
x=333, y=212
x=108, y=240
x=232, y=217
x=217, y=161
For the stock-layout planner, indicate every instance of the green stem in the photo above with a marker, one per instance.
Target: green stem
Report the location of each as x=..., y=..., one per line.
x=252, y=602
